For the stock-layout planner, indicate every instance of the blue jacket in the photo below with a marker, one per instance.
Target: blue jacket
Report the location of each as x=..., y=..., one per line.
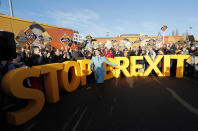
x=99, y=70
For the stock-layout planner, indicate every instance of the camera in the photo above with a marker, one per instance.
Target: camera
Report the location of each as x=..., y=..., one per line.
x=7, y=46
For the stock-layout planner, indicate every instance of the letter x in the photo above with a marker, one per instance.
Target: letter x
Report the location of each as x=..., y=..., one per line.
x=153, y=65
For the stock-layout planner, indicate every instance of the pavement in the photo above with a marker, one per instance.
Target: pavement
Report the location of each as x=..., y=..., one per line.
x=128, y=104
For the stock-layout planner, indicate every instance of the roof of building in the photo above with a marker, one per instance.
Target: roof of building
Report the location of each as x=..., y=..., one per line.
x=129, y=35
x=58, y=33
x=104, y=39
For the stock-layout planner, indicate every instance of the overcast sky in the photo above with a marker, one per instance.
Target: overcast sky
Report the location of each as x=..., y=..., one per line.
x=114, y=16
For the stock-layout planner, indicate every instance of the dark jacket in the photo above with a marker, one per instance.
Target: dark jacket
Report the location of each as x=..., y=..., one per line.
x=119, y=53
x=56, y=59
x=36, y=60
x=75, y=55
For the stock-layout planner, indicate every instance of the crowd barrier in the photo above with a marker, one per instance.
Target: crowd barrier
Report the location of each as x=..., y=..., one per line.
x=56, y=76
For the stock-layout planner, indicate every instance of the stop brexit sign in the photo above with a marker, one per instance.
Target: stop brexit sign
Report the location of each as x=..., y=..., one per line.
x=164, y=27
x=30, y=36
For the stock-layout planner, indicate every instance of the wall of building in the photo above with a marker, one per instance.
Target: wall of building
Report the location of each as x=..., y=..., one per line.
x=18, y=26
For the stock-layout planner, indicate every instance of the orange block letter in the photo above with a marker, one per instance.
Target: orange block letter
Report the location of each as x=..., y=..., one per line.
x=50, y=80
x=84, y=70
x=166, y=65
x=134, y=66
x=153, y=65
x=75, y=78
x=12, y=83
x=122, y=67
x=180, y=64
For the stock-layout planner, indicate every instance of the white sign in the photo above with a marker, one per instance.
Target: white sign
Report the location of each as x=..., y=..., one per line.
x=78, y=37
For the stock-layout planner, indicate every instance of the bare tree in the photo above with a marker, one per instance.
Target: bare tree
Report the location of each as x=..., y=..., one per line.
x=177, y=32
x=173, y=33
x=159, y=34
x=107, y=34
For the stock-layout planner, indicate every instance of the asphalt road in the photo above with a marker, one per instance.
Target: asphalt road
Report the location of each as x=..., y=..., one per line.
x=131, y=104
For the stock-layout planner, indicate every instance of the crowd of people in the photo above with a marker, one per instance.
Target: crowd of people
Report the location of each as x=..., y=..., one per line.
x=39, y=55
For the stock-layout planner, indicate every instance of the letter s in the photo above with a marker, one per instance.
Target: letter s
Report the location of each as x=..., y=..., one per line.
x=12, y=84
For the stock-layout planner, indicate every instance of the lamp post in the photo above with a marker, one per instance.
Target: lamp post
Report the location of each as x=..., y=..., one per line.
x=11, y=9
x=163, y=36
x=163, y=28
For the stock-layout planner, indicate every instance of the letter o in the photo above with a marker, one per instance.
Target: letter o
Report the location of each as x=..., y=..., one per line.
x=75, y=69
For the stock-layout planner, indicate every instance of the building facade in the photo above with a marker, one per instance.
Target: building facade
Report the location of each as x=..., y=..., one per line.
x=25, y=34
